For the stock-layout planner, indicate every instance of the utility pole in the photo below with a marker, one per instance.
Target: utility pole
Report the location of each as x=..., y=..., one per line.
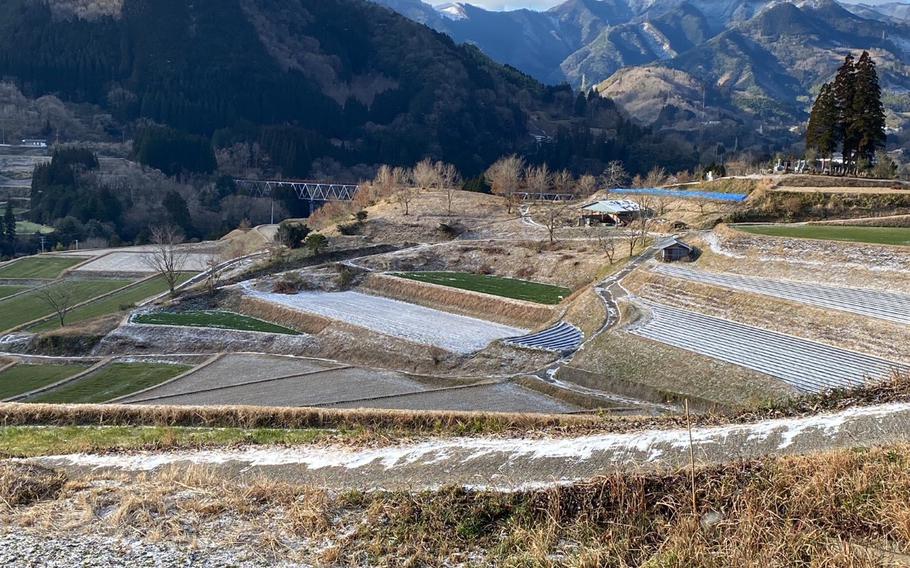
x=41, y=238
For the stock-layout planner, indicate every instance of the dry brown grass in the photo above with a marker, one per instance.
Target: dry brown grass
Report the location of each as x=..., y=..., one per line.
x=21, y=484
x=485, y=306
x=294, y=319
x=844, y=508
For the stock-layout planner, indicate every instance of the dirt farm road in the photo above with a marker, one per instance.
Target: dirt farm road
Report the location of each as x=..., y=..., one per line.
x=511, y=464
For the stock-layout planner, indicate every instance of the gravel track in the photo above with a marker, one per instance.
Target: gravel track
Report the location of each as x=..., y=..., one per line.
x=460, y=334
x=806, y=365
x=871, y=303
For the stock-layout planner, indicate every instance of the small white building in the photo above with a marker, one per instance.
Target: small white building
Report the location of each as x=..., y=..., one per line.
x=617, y=212
x=34, y=142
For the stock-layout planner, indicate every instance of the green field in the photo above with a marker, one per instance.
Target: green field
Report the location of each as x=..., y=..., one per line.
x=24, y=378
x=113, y=381
x=215, y=319
x=39, y=267
x=29, y=228
x=111, y=304
x=30, y=441
x=28, y=307
x=10, y=290
x=874, y=235
x=495, y=285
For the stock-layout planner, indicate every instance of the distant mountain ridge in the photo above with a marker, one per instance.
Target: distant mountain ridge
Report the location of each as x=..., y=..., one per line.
x=763, y=58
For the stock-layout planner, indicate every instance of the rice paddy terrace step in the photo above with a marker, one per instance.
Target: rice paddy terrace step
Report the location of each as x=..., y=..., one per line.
x=806, y=365
x=889, y=306
x=562, y=337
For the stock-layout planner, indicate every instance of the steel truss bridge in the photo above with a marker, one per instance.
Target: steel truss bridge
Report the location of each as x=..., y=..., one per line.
x=527, y=196
x=308, y=190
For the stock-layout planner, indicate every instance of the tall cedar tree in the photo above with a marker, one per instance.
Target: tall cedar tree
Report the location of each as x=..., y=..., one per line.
x=844, y=93
x=9, y=222
x=823, y=123
x=867, y=120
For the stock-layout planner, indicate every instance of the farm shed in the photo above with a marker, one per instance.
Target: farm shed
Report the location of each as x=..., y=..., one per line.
x=617, y=212
x=675, y=251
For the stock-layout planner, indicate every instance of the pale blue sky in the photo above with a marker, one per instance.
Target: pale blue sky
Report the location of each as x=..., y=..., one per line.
x=544, y=4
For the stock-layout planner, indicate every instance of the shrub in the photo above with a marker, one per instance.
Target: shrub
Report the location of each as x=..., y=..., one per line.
x=316, y=242
x=292, y=233
x=349, y=229
x=289, y=283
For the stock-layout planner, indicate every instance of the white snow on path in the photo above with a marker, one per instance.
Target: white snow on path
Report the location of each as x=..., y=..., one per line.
x=460, y=334
x=574, y=457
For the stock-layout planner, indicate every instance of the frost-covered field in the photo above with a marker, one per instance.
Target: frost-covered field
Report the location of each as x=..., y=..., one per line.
x=808, y=366
x=136, y=262
x=872, y=303
x=452, y=332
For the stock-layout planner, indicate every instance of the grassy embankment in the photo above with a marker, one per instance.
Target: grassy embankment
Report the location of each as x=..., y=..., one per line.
x=494, y=285
x=113, y=381
x=39, y=267
x=838, y=509
x=24, y=378
x=31, y=306
x=111, y=304
x=10, y=290
x=873, y=235
x=213, y=319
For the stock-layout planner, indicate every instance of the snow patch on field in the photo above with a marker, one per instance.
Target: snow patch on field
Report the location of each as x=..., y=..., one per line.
x=460, y=334
x=136, y=262
x=653, y=446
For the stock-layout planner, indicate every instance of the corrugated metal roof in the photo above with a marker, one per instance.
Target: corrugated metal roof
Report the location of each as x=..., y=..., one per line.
x=613, y=206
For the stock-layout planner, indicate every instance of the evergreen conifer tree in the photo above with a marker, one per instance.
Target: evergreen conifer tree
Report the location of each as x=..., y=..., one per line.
x=823, y=122
x=9, y=222
x=867, y=120
x=844, y=93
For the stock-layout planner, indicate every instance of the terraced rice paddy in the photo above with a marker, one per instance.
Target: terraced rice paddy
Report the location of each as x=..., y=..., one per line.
x=562, y=337
x=460, y=334
x=39, y=267
x=213, y=319
x=807, y=366
x=873, y=235
x=111, y=304
x=27, y=307
x=494, y=285
x=135, y=262
x=112, y=381
x=6, y=291
x=871, y=303
x=266, y=380
x=24, y=378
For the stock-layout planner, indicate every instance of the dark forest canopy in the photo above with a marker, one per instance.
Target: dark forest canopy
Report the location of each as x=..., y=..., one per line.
x=343, y=79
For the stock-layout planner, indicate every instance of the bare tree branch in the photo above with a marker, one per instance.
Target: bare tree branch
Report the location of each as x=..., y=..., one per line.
x=166, y=258
x=59, y=297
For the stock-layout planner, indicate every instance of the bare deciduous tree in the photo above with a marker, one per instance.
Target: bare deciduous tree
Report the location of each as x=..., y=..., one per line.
x=426, y=175
x=606, y=243
x=564, y=181
x=551, y=213
x=656, y=177
x=587, y=184
x=166, y=257
x=538, y=179
x=642, y=224
x=404, y=191
x=615, y=175
x=449, y=179
x=59, y=297
x=504, y=177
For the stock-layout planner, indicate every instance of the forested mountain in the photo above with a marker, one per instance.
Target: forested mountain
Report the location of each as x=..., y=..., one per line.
x=303, y=78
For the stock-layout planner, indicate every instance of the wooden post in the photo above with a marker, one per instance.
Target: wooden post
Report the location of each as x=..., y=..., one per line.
x=691, y=458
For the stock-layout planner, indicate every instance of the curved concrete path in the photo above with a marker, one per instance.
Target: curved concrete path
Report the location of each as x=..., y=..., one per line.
x=507, y=464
